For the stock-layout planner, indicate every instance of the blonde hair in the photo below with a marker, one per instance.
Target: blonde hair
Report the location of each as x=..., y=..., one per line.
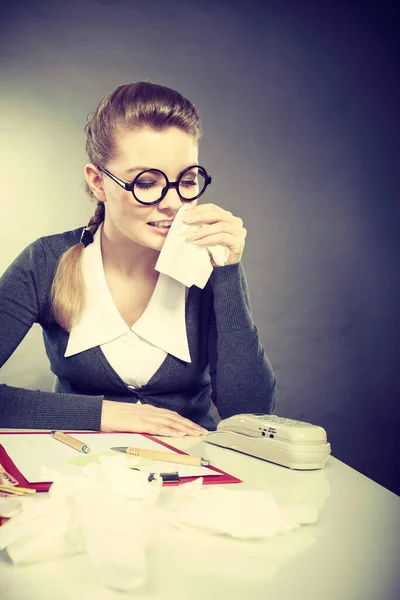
x=128, y=108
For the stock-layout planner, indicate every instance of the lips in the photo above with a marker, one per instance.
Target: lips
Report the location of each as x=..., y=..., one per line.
x=161, y=224
x=160, y=227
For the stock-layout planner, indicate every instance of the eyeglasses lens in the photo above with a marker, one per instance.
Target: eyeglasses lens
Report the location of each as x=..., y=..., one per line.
x=192, y=183
x=150, y=185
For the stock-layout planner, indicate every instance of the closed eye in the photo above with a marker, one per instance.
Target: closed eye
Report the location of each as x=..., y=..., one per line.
x=144, y=186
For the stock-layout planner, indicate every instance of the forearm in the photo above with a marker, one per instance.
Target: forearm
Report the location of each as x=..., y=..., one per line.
x=242, y=378
x=231, y=299
x=32, y=409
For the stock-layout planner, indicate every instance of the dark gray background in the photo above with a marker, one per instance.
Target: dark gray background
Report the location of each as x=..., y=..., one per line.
x=299, y=102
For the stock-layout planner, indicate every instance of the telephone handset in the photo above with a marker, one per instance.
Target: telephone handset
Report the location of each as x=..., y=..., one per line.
x=286, y=442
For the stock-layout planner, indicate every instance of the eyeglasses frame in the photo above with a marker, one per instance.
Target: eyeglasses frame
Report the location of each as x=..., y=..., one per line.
x=129, y=187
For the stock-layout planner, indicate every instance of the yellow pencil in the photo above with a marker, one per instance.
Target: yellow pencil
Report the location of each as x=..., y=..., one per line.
x=70, y=441
x=16, y=490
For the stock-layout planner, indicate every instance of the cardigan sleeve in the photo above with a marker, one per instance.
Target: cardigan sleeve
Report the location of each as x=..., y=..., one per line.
x=242, y=378
x=23, y=292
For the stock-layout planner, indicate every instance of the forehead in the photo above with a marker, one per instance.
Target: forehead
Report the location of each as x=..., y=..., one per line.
x=169, y=150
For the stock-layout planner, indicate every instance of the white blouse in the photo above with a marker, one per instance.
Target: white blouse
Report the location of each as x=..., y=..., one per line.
x=136, y=352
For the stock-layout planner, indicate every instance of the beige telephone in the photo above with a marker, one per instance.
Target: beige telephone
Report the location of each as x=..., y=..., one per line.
x=286, y=442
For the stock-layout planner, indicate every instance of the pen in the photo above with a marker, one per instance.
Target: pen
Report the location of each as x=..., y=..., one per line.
x=183, y=459
x=70, y=441
x=166, y=477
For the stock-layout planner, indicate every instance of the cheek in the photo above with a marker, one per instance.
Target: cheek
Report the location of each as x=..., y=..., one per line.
x=126, y=201
x=121, y=203
x=124, y=208
x=133, y=212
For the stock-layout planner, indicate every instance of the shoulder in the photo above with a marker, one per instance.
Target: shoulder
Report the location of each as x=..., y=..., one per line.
x=43, y=253
x=58, y=243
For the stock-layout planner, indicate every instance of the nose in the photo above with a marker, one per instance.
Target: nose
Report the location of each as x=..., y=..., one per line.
x=171, y=200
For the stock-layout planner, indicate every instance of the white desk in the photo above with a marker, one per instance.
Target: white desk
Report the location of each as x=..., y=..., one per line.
x=352, y=553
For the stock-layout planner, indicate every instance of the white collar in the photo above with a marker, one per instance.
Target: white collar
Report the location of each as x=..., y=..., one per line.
x=162, y=323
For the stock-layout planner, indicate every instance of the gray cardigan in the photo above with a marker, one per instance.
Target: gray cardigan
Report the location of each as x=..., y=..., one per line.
x=228, y=365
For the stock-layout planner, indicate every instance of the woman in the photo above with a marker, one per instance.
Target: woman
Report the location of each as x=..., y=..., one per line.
x=93, y=289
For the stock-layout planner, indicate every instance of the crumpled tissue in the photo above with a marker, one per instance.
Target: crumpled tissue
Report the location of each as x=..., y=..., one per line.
x=113, y=513
x=97, y=512
x=184, y=260
x=9, y=507
x=239, y=513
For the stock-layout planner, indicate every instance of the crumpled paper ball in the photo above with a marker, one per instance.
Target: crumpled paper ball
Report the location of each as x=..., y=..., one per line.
x=113, y=513
x=97, y=512
x=239, y=513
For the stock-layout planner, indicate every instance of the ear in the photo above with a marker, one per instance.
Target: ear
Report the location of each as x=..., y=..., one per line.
x=94, y=180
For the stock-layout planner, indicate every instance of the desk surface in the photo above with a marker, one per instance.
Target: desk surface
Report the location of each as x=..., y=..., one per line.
x=351, y=553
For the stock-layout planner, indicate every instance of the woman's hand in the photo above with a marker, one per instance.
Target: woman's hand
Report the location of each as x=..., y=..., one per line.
x=145, y=418
x=221, y=227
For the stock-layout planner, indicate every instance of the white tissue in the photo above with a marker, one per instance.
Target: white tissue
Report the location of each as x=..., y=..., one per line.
x=9, y=507
x=44, y=530
x=113, y=514
x=114, y=540
x=240, y=513
x=185, y=261
x=97, y=512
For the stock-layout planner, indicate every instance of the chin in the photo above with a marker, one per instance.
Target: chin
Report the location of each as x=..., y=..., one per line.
x=154, y=244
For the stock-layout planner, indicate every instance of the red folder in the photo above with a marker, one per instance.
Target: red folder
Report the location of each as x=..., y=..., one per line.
x=42, y=486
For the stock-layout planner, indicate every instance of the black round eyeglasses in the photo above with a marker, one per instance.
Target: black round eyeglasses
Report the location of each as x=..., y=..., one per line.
x=151, y=186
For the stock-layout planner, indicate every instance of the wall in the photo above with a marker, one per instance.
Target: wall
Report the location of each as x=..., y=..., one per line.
x=299, y=102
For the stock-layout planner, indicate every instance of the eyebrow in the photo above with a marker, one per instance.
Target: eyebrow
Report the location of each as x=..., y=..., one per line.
x=133, y=169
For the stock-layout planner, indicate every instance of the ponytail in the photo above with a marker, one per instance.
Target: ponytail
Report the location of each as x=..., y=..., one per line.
x=67, y=290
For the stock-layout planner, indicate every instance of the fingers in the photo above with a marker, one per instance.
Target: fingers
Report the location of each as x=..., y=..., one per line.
x=220, y=233
x=174, y=418
x=145, y=418
x=209, y=213
x=171, y=422
x=223, y=233
x=219, y=226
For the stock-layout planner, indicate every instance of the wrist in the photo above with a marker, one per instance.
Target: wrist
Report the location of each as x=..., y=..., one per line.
x=106, y=407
